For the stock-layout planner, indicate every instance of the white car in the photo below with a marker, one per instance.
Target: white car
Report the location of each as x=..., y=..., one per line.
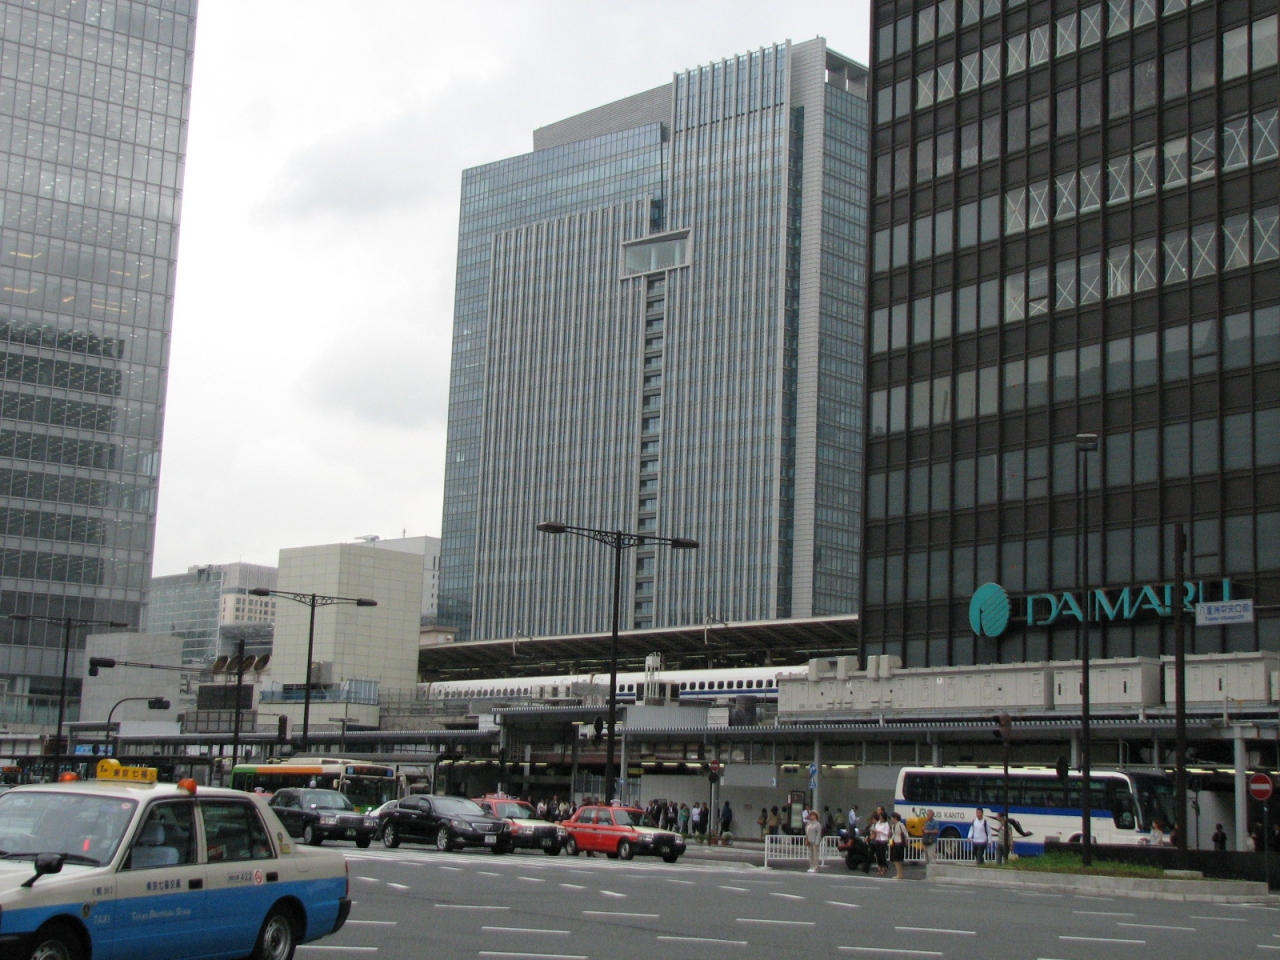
x=124, y=868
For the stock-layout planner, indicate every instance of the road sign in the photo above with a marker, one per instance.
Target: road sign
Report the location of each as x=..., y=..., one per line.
x=1260, y=786
x=813, y=769
x=1224, y=612
x=813, y=783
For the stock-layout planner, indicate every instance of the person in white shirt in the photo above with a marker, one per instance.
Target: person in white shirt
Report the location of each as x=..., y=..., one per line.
x=813, y=839
x=853, y=820
x=980, y=834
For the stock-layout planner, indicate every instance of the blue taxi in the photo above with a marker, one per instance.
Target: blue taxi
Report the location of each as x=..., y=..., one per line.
x=125, y=868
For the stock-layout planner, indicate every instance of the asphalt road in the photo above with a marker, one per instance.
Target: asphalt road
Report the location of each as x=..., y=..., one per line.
x=415, y=903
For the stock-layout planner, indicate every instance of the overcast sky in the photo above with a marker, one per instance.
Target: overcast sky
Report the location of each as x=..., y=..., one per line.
x=308, y=383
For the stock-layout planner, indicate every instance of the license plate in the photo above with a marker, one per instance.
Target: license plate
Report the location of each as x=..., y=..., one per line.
x=546, y=843
x=490, y=839
x=351, y=832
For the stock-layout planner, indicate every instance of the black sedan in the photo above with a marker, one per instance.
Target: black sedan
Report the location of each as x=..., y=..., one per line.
x=451, y=823
x=320, y=815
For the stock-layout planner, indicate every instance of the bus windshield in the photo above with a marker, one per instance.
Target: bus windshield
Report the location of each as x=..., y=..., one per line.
x=369, y=792
x=1155, y=800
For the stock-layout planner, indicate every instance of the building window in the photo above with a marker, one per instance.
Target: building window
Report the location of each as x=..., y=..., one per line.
x=650, y=256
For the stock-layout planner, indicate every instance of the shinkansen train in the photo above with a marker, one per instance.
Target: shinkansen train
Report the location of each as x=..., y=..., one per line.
x=685, y=685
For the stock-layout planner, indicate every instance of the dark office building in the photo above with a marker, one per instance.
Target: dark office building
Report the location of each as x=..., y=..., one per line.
x=1074, y=231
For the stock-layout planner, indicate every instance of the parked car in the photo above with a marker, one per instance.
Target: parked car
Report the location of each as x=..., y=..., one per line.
x=451, y=823
x=126, y=866
x=620, y=832
x=318, y=815
x=527, y=831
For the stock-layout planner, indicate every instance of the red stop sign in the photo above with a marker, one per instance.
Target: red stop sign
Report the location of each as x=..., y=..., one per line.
x=1260, y=786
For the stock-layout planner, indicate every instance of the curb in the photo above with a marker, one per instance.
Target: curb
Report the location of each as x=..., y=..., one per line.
x=1189, y=891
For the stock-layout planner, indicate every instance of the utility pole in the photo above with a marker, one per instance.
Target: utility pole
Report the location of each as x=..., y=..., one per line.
x=1180, y=689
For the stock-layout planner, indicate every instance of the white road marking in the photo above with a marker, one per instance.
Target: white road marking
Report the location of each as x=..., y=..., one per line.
x=533, y=956
x=399, y=886
x=610, y=893
x=372, y=923
x=617, y=913
x=674, y=880
x=573, y=886
x=488, y=873
x=451, y=869
x=469, y=906
x=1100, y=940
x=308, y=946
x=1223, y=919
x=731, y=943
x=1036, y=893
x=369, y=879
x=1102, y=913
x=736, y=889
x=787, y=896
x=782, y=923
x=900, y=953
x=558, y=933
x=841, y=903
x=532, y=879
x=1156, y=926
x=958, y=933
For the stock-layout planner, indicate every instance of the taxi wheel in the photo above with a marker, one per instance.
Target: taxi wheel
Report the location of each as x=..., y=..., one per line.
x=444, y=843
x=670, y=857
x=390, y=836
x=552, y=851
x=56, y=943
x=626, y=850
x=363, y=842
x=571, y=847
x=278, y=937
x=311, y=836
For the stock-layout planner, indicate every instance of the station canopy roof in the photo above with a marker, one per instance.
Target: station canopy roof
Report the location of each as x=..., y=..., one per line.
x=696, y=646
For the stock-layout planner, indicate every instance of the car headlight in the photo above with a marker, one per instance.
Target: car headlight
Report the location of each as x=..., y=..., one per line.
x=561, y=832
x=328, y=821
x=370, y=821
x=459, y=825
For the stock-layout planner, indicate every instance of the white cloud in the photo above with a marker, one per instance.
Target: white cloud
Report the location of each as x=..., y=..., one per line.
x=308, y=385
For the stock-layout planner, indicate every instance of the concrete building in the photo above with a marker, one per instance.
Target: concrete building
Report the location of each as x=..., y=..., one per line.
x=210, y=608
x=658, y=328
x=429, y=549
x=360, y=653
x=94, y=109
x=1075, y=231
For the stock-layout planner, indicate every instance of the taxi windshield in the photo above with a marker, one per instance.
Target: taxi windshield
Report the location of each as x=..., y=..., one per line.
x=86, y=828
x=629, y=818
x=457, y=807
x=325, y=800
x=512, y=810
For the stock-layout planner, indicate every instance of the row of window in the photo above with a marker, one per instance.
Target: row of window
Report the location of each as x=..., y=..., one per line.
x=1241, y=341
x=51, y=488
x=60, y=373
x=1132, y=554
x=119, y=194
x=1129, y=89
x=1127, y=177
x=60, y=338
x=1238, y=441
x=78, y=414
x=650, y=427
x=20, y=445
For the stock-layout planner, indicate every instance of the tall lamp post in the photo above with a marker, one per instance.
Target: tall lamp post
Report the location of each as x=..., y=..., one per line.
x=311, y=600
x=1086, y=443
x=67, y=624
x=618, y=541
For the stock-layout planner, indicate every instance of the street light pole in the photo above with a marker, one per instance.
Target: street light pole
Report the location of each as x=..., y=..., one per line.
x=311, y=600
x=153, y=703
x=1086, y=443
x=617, y=541
x=235, y=732
x=67, y=624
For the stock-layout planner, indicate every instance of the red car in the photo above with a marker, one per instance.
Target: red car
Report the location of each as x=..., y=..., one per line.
x=620, y=832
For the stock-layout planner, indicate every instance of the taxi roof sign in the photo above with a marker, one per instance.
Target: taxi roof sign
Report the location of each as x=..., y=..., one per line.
x=112, y=769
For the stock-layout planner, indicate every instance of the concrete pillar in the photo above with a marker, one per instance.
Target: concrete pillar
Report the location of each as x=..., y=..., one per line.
x=817, y=777
x=573, y=771
x=1242, y=793
x=937, y=753
x=622, y=766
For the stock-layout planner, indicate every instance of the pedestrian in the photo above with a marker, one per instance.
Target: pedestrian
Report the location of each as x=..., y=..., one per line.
x=726, y=820
x=1157, y=833
x=813, y=840
x=898, y=840
x=684, y=820
x=878, y=830
x=828, y=822
x=695, y=816
x=1219, y=838
x=980, y=836
x=762, y=821
x=1000, y=834
x=930, y=836
x=541, y=809
x=853, y=820
x=775, y=821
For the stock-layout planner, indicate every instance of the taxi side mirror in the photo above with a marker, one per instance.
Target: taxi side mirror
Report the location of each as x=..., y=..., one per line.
x=45, y=863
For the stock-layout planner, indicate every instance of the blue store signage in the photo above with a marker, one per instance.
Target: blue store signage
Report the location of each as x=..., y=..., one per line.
x=991, y=608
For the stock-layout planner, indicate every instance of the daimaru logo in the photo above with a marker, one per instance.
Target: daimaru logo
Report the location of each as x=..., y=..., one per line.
x=991, y=609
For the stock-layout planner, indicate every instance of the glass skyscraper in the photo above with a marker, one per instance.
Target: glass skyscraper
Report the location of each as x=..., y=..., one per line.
x=94, y=98
x=1075, y=231
x=658, y=328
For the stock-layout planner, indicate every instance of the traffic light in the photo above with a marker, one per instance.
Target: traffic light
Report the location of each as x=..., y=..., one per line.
x=1004, y=728
x=598, y=726
x=282, y=728
x=100, y=663
x=1064, y=767
x=158, y=703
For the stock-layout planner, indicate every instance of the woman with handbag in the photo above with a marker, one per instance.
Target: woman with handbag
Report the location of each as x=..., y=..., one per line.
x=879, y=831
x=898, y=840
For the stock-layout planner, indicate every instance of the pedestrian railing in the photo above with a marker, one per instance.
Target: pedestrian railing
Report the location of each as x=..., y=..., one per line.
x=783, y=847
x=947, y=850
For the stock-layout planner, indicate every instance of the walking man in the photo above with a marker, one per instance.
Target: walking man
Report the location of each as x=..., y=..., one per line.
x=853, y=819
x=813, y=840
x=930, y=836
x=980, y=835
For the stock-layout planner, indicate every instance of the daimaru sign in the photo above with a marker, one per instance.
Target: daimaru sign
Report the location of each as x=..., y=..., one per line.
x=991, y=609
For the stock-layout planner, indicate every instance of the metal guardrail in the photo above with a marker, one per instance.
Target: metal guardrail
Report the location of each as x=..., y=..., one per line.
x=783, y=847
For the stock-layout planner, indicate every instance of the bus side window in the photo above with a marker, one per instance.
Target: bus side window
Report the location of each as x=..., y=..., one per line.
x=1121, y=805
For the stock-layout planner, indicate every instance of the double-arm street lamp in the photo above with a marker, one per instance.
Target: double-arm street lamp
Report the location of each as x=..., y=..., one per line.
x=311, y=600
x=68, y=624
x=618, y=541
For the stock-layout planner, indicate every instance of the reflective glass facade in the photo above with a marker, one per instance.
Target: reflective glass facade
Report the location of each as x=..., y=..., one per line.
x=680, y=357
x=93, y=113
x=1075, y=230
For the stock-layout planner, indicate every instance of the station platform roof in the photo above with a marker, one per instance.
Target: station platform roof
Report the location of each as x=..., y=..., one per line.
x=743, y=644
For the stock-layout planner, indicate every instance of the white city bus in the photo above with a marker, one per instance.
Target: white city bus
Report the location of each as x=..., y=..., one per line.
x=1125, y=803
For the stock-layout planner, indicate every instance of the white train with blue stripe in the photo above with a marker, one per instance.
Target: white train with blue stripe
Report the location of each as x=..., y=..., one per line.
x=683, y=685
x=124, y=867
